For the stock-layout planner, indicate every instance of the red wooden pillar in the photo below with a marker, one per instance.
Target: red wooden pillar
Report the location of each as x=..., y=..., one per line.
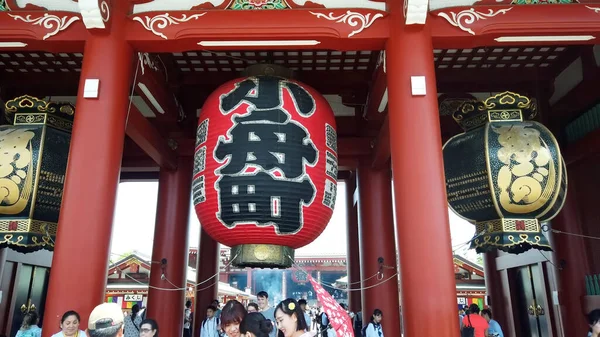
x=377, y=240
x=570, y=253
x=208, y=266
x=353, y=250
x=426, y=267
x=170, y=244
x=493, y=287
x=81, y=254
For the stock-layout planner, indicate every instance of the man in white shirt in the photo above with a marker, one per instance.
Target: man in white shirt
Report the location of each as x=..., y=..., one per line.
x=269, y=312
x=211, y=324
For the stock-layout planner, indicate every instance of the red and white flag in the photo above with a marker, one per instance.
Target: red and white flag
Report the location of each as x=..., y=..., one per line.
x=338, y=318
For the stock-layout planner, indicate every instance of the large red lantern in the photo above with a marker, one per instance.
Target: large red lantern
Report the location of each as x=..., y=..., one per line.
x=265, y=168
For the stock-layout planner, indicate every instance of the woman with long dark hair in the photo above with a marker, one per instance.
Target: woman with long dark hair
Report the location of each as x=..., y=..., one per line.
x=29, y=327
x=256, y=325
x=148, y=328
x=290, y=319
x=373, y=329
x=133, y=322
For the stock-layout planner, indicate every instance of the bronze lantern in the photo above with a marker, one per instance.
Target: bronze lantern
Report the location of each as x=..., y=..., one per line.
x=505, y=173
x=33, y=158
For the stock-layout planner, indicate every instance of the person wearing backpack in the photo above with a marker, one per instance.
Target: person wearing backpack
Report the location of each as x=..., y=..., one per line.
x=358, y=323
x=374, y=329
x=473, y=325
x=211, y=325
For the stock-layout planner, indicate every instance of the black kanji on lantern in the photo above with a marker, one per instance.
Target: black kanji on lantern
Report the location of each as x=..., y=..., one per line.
x=266, y=138
x=263, y=200
x=264, y=93
x=267, y=144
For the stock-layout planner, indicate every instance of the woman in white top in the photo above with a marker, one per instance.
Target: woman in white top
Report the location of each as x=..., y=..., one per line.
x=290, y=319
x=69, y=325
x=373, y=329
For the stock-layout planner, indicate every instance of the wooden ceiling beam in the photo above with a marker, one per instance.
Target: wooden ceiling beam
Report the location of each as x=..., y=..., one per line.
x=583, y=96
x=382, y=151
x=586, y=147
x=150, y=140
x=376, y=107
x=151, y=85
x=325, y=82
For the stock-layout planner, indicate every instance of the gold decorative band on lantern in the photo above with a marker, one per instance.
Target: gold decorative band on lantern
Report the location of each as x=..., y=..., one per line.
x=508, y=225
x=262, y=256
x=26, y=235
x=509, y=235
x=29, y=110
x=504, y=107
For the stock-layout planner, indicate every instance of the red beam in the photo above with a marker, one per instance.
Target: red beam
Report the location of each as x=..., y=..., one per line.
x=347, y=163
x=149, y=140
x=376, y=108
x=381, y=155
x=574, y=19
x=153, y=88
x=354, y=147
x=586, y=147
x=299, y=24
x=582, y=96
x=43, y=31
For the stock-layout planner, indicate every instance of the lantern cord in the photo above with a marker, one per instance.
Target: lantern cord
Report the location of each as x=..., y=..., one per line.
x=195, y=285
x=357, y=282
x=137, y=69
x=573, y=234
x=342, y=289
x=548, y=260
x=164, y=67
x=461, y=245
x=149, y=286
x=168, y=289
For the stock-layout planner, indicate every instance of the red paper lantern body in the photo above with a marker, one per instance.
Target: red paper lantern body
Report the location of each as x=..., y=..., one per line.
x=265, y=165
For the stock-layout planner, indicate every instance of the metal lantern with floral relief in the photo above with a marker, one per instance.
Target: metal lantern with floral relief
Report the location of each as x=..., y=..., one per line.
x=265, y=168
x=505, y=173
x=33, y=161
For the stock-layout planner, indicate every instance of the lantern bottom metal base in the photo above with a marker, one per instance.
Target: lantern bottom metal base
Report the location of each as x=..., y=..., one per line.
x=262, y=256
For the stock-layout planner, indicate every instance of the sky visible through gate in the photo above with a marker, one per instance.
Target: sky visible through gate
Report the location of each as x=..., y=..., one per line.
x=135, y=213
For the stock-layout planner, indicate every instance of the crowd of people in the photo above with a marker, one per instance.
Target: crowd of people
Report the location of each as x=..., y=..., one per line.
x=106, y=320
x=289, y=318
x=478, y=323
